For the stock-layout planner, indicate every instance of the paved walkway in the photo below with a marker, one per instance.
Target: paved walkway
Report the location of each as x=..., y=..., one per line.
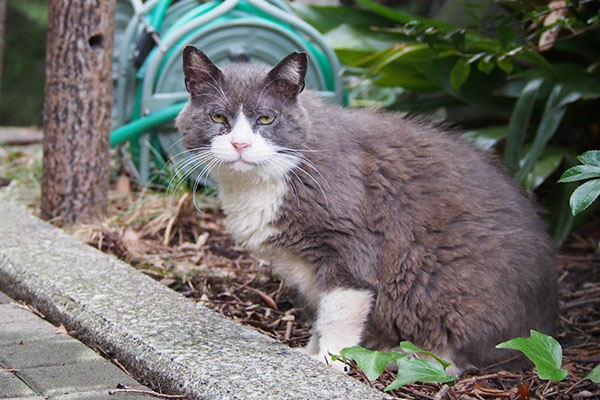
x=37, y=361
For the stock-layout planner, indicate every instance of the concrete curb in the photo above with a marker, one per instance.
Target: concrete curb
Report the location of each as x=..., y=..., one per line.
x=151, y=329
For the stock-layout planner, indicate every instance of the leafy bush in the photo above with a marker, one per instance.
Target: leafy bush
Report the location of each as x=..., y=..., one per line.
x=411, y=368
x=543, y=350
x=546, y=353
x=589, y=191
x=524, y=72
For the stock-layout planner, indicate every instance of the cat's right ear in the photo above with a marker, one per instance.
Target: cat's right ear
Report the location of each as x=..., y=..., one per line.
x=199, y=70
x=287, y=77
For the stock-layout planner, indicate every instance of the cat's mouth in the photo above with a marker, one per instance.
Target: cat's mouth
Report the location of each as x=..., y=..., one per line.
x=241, y=165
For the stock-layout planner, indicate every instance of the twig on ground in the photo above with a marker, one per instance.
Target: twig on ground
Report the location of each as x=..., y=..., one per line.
x=148, y=392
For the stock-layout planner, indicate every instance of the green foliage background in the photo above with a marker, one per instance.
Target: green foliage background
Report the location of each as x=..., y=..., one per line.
x=22, y=88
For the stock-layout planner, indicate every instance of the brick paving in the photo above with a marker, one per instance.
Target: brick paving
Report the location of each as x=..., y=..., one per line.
x=37, y=361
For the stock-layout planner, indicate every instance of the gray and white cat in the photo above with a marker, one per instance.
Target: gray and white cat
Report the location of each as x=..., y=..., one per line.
x=390, y=228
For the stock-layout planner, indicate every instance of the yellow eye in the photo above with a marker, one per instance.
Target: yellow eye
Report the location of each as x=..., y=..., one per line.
x=265, y=119
x=218, y=118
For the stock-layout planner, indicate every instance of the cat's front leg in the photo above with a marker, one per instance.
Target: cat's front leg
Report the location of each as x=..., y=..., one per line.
x=312, y=347
x=341, y=318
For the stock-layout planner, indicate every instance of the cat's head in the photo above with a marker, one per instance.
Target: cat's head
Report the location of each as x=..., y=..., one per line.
x=244, y=118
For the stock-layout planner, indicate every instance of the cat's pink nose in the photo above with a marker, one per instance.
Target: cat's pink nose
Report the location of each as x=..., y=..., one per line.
x=240, y=147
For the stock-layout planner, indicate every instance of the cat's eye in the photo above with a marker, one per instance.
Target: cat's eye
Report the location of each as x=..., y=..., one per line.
x=218, y=118
x=265, y=119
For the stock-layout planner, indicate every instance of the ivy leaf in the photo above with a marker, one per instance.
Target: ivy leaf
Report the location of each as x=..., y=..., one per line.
x=372, y=363
x=543, y=350
x=580, y=172
x=416, y=369
x=594, y=374
x=409, y=347
x=584, y=195
x=459, y=73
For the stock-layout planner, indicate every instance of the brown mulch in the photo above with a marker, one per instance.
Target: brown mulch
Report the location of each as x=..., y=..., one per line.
x=166, y=238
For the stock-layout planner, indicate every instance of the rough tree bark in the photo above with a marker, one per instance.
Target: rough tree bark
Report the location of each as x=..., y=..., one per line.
x=77, y=109
x=2, y=21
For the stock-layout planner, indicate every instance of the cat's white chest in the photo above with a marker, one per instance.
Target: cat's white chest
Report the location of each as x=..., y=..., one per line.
x=250, y=207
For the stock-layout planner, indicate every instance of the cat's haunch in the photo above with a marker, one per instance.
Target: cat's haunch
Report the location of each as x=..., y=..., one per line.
x=389, y=227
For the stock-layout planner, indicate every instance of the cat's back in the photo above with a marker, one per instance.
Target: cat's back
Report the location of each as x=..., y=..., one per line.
x=407, y=152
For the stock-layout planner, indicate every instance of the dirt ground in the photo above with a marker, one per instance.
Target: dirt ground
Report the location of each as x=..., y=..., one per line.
x=166, y=238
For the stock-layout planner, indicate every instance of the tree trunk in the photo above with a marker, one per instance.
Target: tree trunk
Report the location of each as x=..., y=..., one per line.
x=2, y=22
x=77, y=109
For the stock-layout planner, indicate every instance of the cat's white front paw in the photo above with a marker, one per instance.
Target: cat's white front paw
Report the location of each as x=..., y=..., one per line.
x=306, y=350
x=312, y=347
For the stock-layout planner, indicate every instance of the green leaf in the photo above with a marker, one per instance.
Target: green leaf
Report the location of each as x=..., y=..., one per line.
x=459, y=73
x=416, y=369
x=591, y=157
x=546, y=165
x=553, y=114
x=505, y=64
x=584, y=195
x=543, y=350
x=486, y=138
x=506, y=34
x=580, y=172
x=409, y=347
x=401, y=51
x=486, y=64
x=371, y=362
x=594, y=374
x=519, y=121
x=357, y=39
x=325, y=18
x=559, y=216
x=400, y=16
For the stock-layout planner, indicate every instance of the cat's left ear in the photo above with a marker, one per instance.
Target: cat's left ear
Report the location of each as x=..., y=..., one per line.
x=288, y=76
x=199, y=70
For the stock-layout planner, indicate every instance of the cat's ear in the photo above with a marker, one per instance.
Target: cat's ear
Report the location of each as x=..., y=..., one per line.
x=288, y=75
x=199, y=70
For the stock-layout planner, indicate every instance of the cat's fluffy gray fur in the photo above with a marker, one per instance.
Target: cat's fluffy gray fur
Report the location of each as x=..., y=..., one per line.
x=447, y=251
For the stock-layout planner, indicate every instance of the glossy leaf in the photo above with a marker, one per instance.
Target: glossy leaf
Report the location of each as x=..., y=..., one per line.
x=580, y=172
x=403, y=51
x=416, y=369
x=594, y=374
x=584, y=195
x=553, y=114
x=459, y=73
x=409, y=347
x=559, y=216
x=546, y=165
x=505, y=64
x=371, y=362
x=486, y=138
x=543, y=350
x=400, y=16
x=486, y=64
x=326, y=18
x=519, y=121
x=357, y=38
x=591, y=157
x=506, y=34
